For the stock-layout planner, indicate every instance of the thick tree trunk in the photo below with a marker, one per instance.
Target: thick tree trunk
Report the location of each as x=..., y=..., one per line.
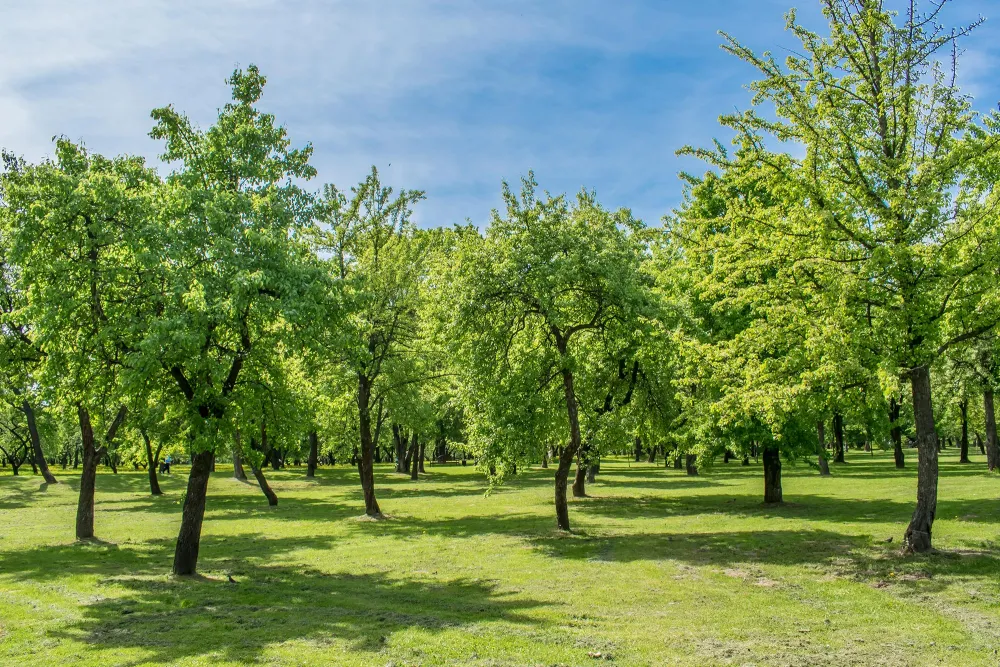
x=592, y=471
x=691, y=463
x=918, y=533
x=896, y=433
x=366, y=467
x=36, y=444
x=313, y=454
x=638, y=449
x=580, y=481
x=679, y=461
x=963, y=456
x=992, y=448
x=88, y=478
x=189, y=537
x=569, y=451
x=824, y=467
x=772, y=475
x=238, y=471
x=838, y=438
x=152, y=460
x=652, y=454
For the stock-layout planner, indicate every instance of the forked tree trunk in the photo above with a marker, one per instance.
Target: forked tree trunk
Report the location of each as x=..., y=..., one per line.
x=838, y=438
x=992, y=449
x=366, y=468
x=772, y=475
x=569, y=451
x=36, y=444
x=824, y=466
x=691, y=463
x=189, y=537
x=88, y=479
x=918, y=533
x=963, y=456
x=313, y=454
x=896, y=433
x=152, y=460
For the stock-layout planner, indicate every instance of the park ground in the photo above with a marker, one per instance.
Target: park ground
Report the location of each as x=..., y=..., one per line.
x=661, y=569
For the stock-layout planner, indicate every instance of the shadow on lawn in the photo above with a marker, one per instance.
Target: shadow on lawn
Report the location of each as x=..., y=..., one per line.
x=170, y=619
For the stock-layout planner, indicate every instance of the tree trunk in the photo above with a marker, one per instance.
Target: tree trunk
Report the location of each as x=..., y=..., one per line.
x=896, y=433
x=152, y=459
x=838, y=438
x=963, y=407
x=824, y=467
x=258, y=474
x=365, y=465
x=592, y=473
x=638, y=449
x=401, y=449
x=918, y=533
x=691, y=463
x=414, y=465
x=580, y=481
x=992, y=449
x=313, y=454
x=36, y=444
x=652, y=454
x=679, y=461
x=420, y=456
x=189, y=537
x=772, y=475
x=569, y=451
x=238, y=471
x=88, y=478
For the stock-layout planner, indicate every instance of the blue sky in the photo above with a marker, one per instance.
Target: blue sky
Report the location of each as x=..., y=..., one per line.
x=455, y=95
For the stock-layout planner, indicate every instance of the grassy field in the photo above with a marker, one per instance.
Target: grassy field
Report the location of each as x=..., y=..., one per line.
x=663, y=569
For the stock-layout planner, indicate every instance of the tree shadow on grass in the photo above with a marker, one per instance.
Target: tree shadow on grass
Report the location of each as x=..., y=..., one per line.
x=168, y=619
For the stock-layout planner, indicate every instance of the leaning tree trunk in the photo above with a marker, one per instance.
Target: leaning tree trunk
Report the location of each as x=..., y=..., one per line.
x=366, y=468
x=258, y=473
x=896, y=433
x=189, y=537
x=691, y=463
x=313, y=454
x=838, y=438
x=964, y=444
x=992, y=449
x=824, y=466
x=918, y=533
x=152, y=459
x=772, y=475
x=36, y=444
x=568, y=452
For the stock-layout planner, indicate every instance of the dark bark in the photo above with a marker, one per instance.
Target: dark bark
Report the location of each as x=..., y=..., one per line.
x=238, y=471
x=189, y=537
x=402, y=461
x=568, y=452
x=691, y=463
x=414, y=456
x=152, y=461
x=36, y=444
x=592, y=471
x=258, y=474
x=366, y=468
x=963, y=456
x=420, y=456
x=918, y=533
x=313, y=454
x=679, y=461
x=88, y=478
x=992, y=448
x=652, y=454
x=824, y=466
x=896, y=433
x=580, y=481
x=838, y=438
x=772, y=475
x=638, y=449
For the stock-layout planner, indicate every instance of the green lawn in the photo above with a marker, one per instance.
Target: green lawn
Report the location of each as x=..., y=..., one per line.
x=662, y=569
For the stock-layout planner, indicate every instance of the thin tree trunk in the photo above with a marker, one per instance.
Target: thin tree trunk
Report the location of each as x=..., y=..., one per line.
x=313, y=454
x=838, y=438
x=258, y=474
x=152, y=459
x=36, y=444
x=963, y=407
x=189, y=537
x=918, y=533
x=992, y=449
x=824, y=466
x=420, y=456
x=569, y=451
x=238, y=471
x=896, y=433
x=365, y=465
x=414, y=456
x=772, y=475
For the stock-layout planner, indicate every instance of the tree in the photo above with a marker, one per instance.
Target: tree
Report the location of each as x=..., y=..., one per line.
x=237, y=266
x=550, y=282
x=892, y=220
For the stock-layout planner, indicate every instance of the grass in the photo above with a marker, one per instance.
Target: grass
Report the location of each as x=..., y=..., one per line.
x=662, y=569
